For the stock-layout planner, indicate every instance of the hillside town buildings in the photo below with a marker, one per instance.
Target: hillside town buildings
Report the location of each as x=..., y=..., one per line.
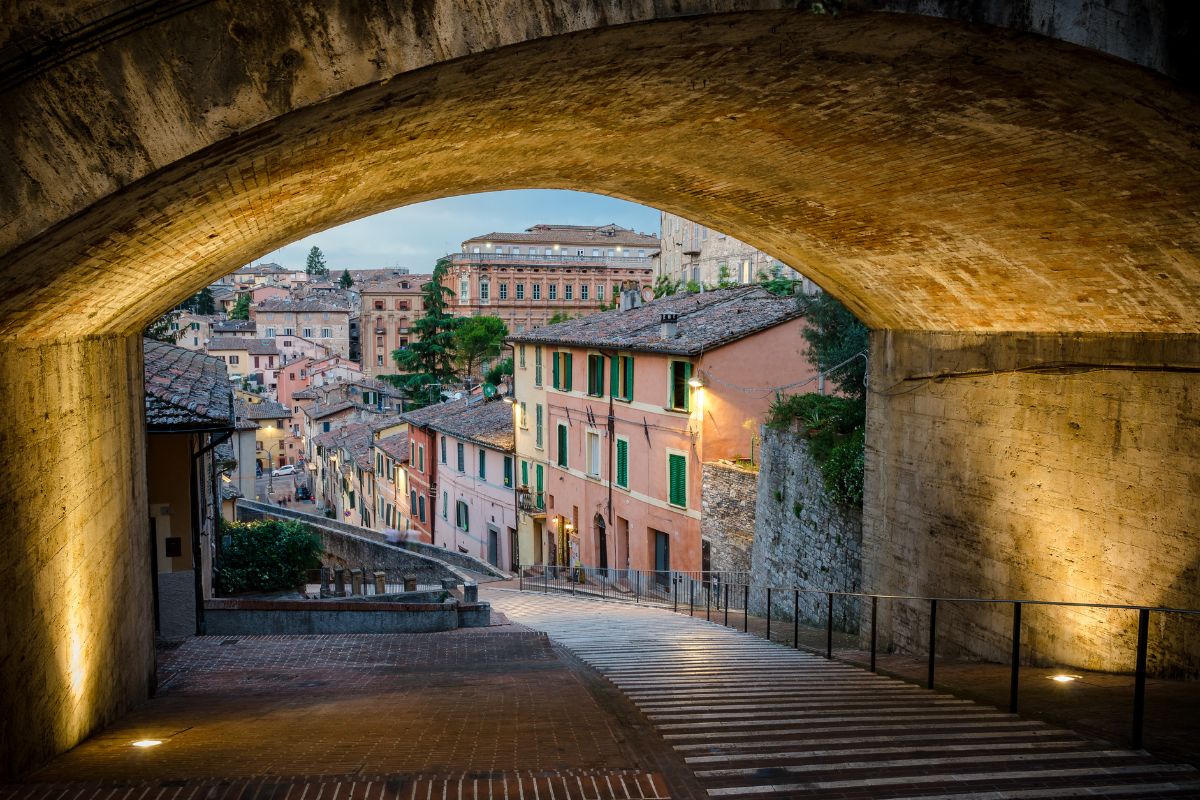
x=695, y=253
x=391, y=303
x=325, y=320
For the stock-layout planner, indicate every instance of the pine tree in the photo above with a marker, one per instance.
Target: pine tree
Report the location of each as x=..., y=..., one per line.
x=429, y=360
x=346, y=281
x=241, y=309
x=204, y=302
x=316, y=263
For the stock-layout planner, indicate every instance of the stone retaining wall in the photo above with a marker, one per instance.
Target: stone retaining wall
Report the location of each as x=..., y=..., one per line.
x=234, y=617
x=727, y=522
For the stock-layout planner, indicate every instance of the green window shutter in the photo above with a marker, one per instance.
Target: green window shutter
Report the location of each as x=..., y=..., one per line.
x=562, y=445
x=540, y=478
x=677, y=473
x=524, y=473
x=613, y=381
x=599, y=376
x=687, y=390
x=622, y=463
x=554, y=370
x=508, y=470
x=568, y=370
x=482, y=464
x=627, y=384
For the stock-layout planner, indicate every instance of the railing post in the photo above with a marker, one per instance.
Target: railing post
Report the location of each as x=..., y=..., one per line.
x=874, y=627
x=1139, y=679
x=796, y=618
x=746, y=608
x=708, y=601
x=675, y=593
x=1014, y=680
x=726, y=604
x=829, y=625
x=932, y=640
x=691, y=596
x=521, y=578
x=768, y=613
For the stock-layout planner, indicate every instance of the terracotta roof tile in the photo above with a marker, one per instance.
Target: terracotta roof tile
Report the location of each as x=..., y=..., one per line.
x=185, y=388
x=488, y=423
x=573, y=234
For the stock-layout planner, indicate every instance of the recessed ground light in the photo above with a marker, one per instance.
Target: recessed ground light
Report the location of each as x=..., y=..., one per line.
x=147, y=743
x=1063, y=678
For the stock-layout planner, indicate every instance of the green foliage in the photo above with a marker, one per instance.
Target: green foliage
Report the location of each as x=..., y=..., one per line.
x=266, y=555
x=797, y=509
x=160, y=329
x=776, y=283
x=559, y=316
x=665, y=286
x=724, y=277
x=834, y=428
x=478, y=339
x=692, y=287
x=779, y=495
x=241, y=309
x=429, y=360
x=834, y=336
x=499, y=371
x=315, y=264
x=200, y=303
x=346, y=281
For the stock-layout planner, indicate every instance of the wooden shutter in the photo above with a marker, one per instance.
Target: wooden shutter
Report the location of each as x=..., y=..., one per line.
x=568, y=371
x=627, y=386
x=562, y=445
x=614, y=380
x=554, y=370
x=622, y=463
x=677, y=469
x=524, y=473
x=508, y=470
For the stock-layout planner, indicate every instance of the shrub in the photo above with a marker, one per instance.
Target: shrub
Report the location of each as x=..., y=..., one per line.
x=266, y=555
x=834, y=427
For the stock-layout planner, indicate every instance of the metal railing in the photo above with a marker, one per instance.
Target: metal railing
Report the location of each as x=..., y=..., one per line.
x=716, y=594
x=539, y=259
x=531, y=502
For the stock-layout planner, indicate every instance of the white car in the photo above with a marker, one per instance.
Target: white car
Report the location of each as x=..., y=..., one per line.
x=286, y=469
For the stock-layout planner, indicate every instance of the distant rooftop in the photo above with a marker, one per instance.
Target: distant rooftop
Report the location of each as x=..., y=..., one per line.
x=489, y=423
x=611, y=234
x=303, y=304
x=255, y=347
x=233, y=325
x=706, y=320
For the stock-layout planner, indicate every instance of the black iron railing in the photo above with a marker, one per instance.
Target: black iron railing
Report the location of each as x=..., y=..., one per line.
x=718, y=593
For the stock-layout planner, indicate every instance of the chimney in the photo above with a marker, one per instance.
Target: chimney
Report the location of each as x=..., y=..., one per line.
x=669, y=327
x=630, y=298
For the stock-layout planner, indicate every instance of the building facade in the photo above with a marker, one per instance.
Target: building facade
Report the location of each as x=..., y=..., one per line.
x=390, y=304
x=694, y=253
x=633, y=403
x=323, y=320
x=526, y=278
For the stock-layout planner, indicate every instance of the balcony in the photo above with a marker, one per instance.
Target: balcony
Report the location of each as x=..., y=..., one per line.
x=525, y=259
x=531, y=502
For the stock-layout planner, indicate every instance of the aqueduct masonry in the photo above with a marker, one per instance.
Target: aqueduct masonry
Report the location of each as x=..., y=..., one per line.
x=1017, y=217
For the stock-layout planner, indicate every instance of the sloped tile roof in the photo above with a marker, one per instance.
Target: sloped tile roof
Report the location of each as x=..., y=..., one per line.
x=255, y=347
x=185, y=389
x=303, y=304
x=489, y=423
x=241, y=410
x=395, y=446
x=706, y=320
x=267, y=409
x=227, y=325
x=573, y=234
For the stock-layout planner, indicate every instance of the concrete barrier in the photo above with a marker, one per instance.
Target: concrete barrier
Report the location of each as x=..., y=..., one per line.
x=246, y=617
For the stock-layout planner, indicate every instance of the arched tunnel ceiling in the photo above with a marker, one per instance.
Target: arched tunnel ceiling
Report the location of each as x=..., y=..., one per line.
x=933, y=175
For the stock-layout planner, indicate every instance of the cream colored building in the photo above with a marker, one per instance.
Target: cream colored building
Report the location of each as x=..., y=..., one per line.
x=324, y=320
x=693, y=252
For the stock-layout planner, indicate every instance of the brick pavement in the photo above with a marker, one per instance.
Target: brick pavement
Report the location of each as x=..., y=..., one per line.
x=491, y=712
x=755, y=719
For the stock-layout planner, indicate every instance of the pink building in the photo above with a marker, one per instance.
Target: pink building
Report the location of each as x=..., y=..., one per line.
x=618, y=411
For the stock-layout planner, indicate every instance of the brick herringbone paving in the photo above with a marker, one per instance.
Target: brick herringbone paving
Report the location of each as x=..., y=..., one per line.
x=494, y=713
x=755, y=719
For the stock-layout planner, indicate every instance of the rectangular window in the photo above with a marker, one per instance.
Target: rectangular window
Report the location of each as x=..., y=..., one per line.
x=445, y=504
x=553, y=291
x=326, y=333
x=538, y=440
x=461, y=516
x=520, y=291
x=537, y=365
x=595, y=375
x=563, y=367
x=622, y=377
x=524, y=417
x=677, y=479
x=569, y=292
x=462, y=464
x=464, y=290
x=521, y=356
x=485, y=290
x=443, y=449
x=537, y=291
x=680, y=394
x=482, y=464
x=539, y=487
x=508, y=471
x=504, y=291
x=233, y=359
x=593, y=454
x=600, y=291
x=420, y=458
x=307, y=333
x=583, y=291
x=562, y=445
x=623, y=463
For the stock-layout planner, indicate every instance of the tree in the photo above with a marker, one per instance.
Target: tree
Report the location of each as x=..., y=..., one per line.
x=346, y=281
x=429, y=360
x=315, y=265
x=835, y=336
x=499, y=371
x=478, y=339
x=776, y=283
x=241, y=309
x=161, y=331
x=665, y=286
x=204, y=302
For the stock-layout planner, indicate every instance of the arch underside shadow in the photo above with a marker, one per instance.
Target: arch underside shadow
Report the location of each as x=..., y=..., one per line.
x=934, y=176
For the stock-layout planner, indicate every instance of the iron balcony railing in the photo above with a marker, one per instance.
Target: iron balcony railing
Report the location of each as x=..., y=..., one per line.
x=531, y=502
x=716, y=594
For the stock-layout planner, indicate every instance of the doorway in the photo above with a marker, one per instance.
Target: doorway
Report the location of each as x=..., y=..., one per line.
x=601, y=540
x=662, y=558
x=493, y=545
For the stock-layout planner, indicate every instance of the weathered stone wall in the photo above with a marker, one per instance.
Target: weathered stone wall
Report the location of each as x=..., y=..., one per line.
x=1079, y=482
x=727, y=521
x=802, y=538
x=77, y=623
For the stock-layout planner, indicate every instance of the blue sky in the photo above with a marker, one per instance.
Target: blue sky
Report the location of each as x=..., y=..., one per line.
x=417, y=235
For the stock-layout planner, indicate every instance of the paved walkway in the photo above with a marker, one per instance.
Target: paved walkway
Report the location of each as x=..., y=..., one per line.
x=487, y=713
x=755, y=719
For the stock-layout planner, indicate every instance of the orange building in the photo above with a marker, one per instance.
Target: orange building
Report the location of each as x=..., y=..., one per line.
x=391, y=302
x=526, y=278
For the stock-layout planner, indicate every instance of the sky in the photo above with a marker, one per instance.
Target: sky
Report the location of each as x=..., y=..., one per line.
x=415, y=236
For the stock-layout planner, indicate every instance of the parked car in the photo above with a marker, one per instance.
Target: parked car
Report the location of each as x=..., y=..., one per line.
x=286, y=469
